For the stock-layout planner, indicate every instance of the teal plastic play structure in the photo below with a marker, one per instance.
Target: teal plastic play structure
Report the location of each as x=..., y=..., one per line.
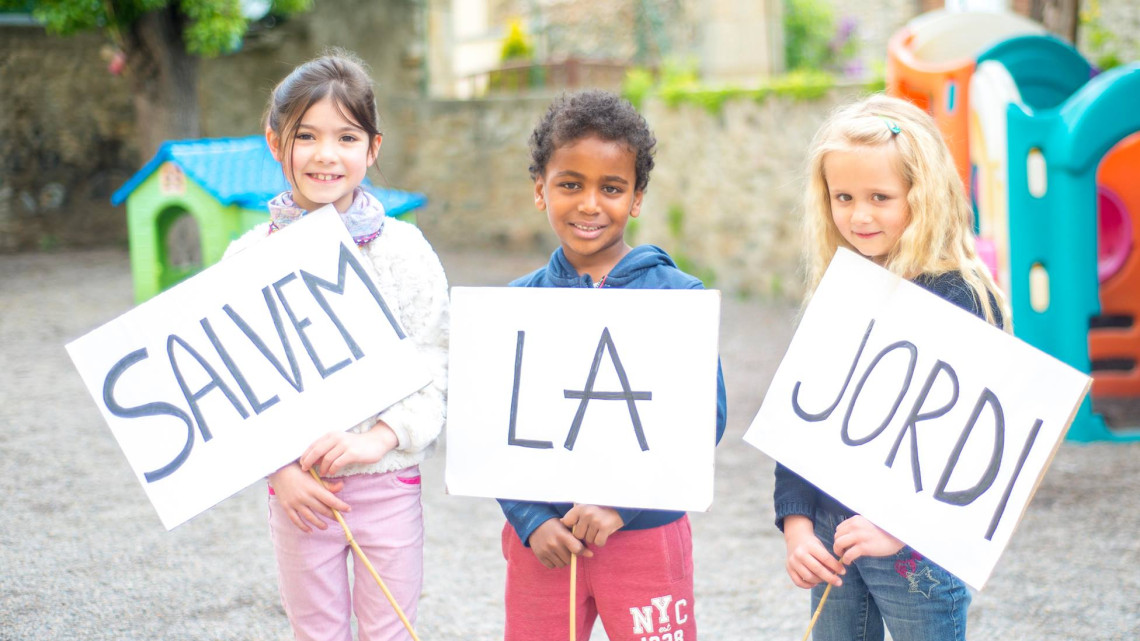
x=1046, y=69
x=223, y=185
x=1054, y=156
x=1041, y=129
x=1050, y=152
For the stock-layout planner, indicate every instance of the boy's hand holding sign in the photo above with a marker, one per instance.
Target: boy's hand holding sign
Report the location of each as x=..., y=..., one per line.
x=930, y=423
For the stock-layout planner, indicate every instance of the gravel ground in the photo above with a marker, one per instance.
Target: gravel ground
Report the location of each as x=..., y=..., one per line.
x=85, y=557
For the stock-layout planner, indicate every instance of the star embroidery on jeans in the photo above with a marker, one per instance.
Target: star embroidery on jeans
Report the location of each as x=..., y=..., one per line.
x=922, y=581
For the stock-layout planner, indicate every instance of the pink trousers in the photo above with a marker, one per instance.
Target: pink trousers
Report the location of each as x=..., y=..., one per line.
x=640, y=584
x=312, y=568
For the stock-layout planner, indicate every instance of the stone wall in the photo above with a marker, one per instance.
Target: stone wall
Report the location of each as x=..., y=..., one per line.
x=471, y=159
x=67, y=123
x=233, y=89
x=875, y=22
x=65, y=131
x=723, y=198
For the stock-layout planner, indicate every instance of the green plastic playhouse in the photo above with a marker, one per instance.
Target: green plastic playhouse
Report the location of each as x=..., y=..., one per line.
x=223, y=185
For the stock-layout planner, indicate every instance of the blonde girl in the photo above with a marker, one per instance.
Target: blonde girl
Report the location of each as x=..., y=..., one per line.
x=882, y=183
x=937, y=237
x=322, y=125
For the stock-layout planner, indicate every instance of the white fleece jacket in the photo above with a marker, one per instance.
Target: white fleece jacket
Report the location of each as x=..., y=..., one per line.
x=411, y=280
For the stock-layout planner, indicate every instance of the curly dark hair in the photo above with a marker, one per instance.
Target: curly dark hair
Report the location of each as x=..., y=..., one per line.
x=581, y=114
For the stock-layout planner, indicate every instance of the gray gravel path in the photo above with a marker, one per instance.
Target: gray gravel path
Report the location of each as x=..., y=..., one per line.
x=83, y=556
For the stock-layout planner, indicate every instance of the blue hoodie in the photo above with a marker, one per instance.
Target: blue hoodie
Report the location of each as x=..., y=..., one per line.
x=645, y=267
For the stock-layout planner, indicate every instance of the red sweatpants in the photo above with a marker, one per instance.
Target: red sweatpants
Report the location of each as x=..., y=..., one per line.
x=640, y=583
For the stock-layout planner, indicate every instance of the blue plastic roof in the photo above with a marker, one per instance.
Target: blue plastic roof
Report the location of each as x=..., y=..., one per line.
x=241, y=171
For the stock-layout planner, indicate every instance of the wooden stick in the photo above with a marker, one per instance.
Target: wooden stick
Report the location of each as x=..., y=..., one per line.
x=573, y=597
x=367, y=564
x=818, y=609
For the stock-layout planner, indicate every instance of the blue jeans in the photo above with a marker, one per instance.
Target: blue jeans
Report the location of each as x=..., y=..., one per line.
x=917, y=599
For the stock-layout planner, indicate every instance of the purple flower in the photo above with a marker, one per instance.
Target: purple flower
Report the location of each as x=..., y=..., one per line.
x=843, y=34
x=854, y=69
x=847, y=27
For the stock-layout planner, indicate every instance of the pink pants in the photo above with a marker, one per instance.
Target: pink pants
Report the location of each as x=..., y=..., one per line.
x=312, y=569
x=640, y=583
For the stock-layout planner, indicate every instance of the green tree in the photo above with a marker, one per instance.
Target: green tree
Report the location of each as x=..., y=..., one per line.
x=161, y=41
x=808, y=28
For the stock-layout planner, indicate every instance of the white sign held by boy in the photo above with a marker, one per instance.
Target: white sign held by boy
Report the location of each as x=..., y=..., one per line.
x=934, y=425
x=224, y=378
x=600, y=396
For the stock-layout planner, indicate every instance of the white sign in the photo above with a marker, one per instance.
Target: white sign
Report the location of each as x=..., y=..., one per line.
x=227, y=376
x=916, y=414
x=600, y=396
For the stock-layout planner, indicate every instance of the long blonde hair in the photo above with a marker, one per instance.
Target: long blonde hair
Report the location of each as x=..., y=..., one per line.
x=939, y=235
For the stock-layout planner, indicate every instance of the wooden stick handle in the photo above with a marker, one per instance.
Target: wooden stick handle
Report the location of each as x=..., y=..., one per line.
x=573, y=597
x=367, y=563
x=818, y=609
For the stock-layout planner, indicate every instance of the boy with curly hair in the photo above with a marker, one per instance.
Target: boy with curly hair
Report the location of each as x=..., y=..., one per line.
x=591, y=157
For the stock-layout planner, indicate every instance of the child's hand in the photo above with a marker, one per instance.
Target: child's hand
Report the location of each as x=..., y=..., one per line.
x=809, y=562
x=303, y=498
x=858, y=537
x=593, y=523
x=333, y=451
x=553, y=544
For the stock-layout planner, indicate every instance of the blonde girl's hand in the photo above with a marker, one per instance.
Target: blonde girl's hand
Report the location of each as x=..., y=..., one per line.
x=857, y=537
x=553, y=544
x=335, y=450
x=593, y=523
x=304, y=499
x=809, y=563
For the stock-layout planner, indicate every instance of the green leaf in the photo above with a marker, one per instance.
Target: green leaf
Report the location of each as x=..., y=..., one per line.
x=214, y=26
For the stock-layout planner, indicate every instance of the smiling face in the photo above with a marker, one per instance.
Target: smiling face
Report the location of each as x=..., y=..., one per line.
x=330, y=156
x=868, y=198
x=587, y=191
